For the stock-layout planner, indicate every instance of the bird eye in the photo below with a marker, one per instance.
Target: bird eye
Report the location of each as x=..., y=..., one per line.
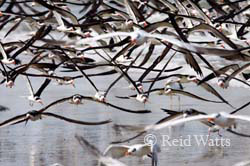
x=133, y=150
x=217, y=25
x=217, y=116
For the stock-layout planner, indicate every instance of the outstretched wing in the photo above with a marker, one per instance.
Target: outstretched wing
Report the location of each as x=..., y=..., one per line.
x=75, y=121
x=116, y=151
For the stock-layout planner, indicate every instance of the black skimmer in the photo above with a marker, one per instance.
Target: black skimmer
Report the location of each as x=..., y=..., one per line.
x=102, y=159
x=78, y=99
x=35, y=97
x=5, y=59
x=37, y=114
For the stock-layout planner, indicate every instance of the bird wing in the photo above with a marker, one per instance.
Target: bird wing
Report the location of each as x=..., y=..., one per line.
x=44, y=85
x=116, y=151
x=240, y=117
x=75, y=121
x=103, y=36
x=68, y=14
x=83, y=73
x=146, y=149
x=218, y=72
x=158, y=75
x=31, y=90
x=128, y=110
x=217, y=33
x=236, y=72
x=172, y=40
x=155, y=63
x=238, y=109
x=58, y=18
x=192, y=95
x=13, y=120
x=201, y=13
x=3, y=52
x=178, y=121
x=130, y=11
x=102, y=159
x=238, y=134
x=85, y=144
x=131, y=138
x=55, y=102
x=210, y=89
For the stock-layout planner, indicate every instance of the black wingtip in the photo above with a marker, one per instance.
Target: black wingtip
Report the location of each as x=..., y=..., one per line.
x=170, y=112
x=246, y=76
x=105, y=122
x=143, y=111
x=122, y=97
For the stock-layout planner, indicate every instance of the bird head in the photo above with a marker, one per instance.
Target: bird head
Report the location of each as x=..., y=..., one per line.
x=76, y=99
x=38, y=100
x=130, y=151
x=80, y=55
x=139, y=86
x=192, y=78
x=214, y=117
x=12, y=61
x=221, y=83
x=142, y=98
x=100, y=96
x=137, y=38
x=9, y=83
x=69, y=80
x=129, y=23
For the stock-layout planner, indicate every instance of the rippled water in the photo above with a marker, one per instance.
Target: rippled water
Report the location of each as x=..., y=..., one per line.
x=52, y=141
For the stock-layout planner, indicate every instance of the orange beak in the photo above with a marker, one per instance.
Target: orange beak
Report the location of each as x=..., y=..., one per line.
x=87, y=34
x=77, y=101
x=221, y=84
x=210, y=119
x=127, y=153
x=146, y=101
x=247, y=42
x=10, y=84
x=41, y=102
x=220, y=29
x=73, y=84
x=195, y=80
x=1, y=14
x=103, y=100
x=133, y=41
x=140, y=88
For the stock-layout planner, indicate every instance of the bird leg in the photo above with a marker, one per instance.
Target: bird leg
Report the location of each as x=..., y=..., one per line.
x=171, y=100
x=209, y=133
x=219, y=133
x=179, y=103
x=31, y=103
x=26, y=121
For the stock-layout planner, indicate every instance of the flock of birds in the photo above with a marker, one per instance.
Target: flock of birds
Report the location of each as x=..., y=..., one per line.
x=123, y=36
